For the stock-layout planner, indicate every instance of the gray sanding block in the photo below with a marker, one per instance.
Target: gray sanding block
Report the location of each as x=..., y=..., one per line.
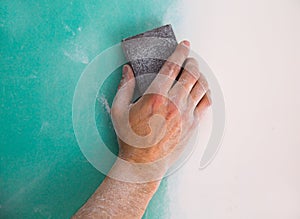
x=147, y=52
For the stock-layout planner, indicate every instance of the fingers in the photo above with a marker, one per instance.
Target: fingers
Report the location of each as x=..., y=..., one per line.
x=187, y=79
x=171, y=69
x=125, y=89
x=202, y=106
x=127, y=74
x=198, y=91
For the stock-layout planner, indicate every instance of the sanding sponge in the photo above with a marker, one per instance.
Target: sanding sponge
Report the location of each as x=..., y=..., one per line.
x=147, y=52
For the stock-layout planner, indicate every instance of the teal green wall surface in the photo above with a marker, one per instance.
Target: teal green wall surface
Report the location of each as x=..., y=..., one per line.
x=44, y=48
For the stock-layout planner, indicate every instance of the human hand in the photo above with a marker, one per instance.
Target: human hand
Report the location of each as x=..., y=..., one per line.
x=153, y=130
x=164, y=118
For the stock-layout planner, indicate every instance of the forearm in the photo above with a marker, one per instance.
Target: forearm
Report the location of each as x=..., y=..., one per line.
x=118, y=199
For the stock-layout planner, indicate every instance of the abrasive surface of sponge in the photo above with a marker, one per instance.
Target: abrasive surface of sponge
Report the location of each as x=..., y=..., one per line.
x=147, y=52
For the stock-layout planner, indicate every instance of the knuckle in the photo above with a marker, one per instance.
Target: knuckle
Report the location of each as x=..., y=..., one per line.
x=193, y=61
x=203, y=82
x=156, y=100
x=172, y=111
x=192, y=68
x=171, y=66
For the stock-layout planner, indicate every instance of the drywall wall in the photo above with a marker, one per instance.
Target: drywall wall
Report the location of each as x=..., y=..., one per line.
x=45, y=46
x=253, y=49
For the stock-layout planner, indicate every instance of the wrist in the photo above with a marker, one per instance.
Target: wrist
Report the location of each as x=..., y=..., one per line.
x=136, y=173
x=144, y=155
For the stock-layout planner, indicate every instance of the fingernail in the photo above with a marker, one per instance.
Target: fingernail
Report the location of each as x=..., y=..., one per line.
x=186, y=43
x=125, y=72
x=125, y=69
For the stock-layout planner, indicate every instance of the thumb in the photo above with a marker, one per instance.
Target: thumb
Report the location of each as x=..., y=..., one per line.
x=126, y=87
